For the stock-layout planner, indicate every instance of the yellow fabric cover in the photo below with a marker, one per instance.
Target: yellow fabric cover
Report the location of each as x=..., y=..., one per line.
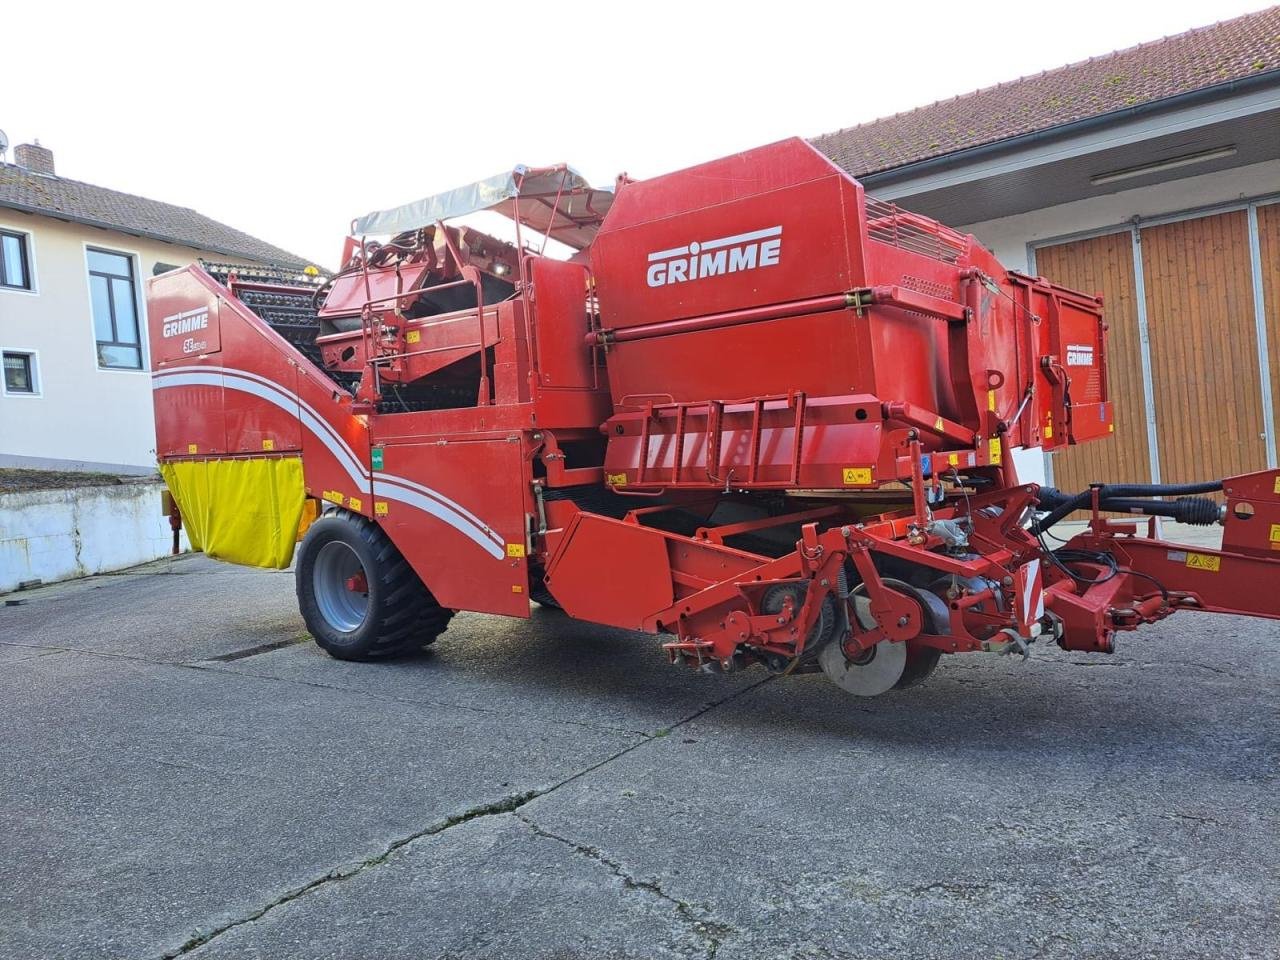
x=241, y=511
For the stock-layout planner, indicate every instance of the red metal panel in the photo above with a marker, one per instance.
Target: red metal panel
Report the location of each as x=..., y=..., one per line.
x=459, y=513
x=263, y=416
x=192, y=422
x=785, y=231
x=580, y=579
x=184, y=321
x=737, y=363
x=560, y=315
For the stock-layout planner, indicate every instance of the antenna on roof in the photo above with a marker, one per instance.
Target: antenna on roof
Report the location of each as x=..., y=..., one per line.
x=4, y=145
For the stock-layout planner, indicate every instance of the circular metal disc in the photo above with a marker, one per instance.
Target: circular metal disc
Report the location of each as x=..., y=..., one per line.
x=878, y=675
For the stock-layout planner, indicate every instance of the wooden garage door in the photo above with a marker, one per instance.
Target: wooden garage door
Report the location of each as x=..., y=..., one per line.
x=1105, y=265
x=1198, y=293
x=1269, y=245
x=1204, y=348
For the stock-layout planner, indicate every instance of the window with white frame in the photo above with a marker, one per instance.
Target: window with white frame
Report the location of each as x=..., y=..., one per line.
x=15, y=261
x=20, y=374
x=113, y=295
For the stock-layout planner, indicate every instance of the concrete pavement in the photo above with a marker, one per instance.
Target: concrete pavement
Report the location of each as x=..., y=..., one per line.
x=185, y=774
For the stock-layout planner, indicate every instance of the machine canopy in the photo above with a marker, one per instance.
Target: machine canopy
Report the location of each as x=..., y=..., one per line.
x=558, y=198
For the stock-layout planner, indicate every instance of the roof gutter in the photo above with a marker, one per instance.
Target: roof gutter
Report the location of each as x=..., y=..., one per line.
x=146, y=234
x=1012, y=144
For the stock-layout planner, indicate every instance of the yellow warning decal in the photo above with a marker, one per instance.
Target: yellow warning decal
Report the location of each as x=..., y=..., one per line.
x=515, y=550
x=1111, y=428
x=1275, y=533
x=993, y=450
x=355, y=503
x=856, y=476
x=516, y=588
x=333, y=496
x=1202, y=561
x=268, y=444
x=192, y=448
x=953, y=459
x=1277, y=484
x=379, y=508
x=413, y=336
x=616, y=479
x=991, y=400
x=1048, y=432
x=937, y=424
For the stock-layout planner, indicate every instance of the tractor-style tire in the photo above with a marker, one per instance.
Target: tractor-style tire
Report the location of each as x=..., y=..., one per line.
x=359, y=597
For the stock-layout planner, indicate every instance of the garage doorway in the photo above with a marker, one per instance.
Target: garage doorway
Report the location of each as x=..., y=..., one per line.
x=1193, y=307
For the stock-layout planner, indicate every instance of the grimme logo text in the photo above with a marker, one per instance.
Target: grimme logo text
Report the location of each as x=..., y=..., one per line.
x=188, y=321
x=711, y=258
x=1079, y=355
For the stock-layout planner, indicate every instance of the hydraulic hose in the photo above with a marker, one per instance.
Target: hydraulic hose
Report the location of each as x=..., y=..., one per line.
x=1124, y=497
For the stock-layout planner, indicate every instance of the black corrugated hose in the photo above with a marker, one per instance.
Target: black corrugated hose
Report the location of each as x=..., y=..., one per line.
x=1126, y=498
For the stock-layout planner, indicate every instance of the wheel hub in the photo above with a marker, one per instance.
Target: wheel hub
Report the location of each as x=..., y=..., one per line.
x=341, y=586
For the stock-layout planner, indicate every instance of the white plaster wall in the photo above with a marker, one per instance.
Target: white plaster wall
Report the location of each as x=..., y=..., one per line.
x=83, y=417
x=52, y=535
x=1010, y=237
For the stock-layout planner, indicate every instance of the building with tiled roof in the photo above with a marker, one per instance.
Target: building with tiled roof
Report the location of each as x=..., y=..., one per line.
x=35, y=192
x=1230, y=54
x=74, y=257
x=1150, y=175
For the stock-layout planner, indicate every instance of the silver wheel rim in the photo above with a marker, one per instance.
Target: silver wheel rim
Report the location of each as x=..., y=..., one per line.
x=337, y=567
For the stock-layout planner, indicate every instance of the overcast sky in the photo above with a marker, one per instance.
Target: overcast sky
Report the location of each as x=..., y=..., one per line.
x=286, y=120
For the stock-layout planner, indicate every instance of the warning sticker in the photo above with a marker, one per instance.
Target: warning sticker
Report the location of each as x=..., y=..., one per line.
x=355, y=503
x=856, y=476
x=993, y=450
x=413, y=336
x=515, y=550
x=1203, y=561
x=1275, y=533
x=379, y=508
x=268, y=444
x=333, y=496
x=616, y=479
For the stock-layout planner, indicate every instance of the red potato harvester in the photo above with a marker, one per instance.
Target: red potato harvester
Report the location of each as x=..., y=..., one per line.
x=755, y=411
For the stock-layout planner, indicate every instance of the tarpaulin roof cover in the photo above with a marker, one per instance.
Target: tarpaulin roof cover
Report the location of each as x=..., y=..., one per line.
x=576, y=217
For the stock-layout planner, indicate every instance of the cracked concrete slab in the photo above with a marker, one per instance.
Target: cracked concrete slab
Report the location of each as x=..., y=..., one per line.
x=1043, y=812
x=16, y=652
x=181, y=778
x=146, y=803
x=430, y=901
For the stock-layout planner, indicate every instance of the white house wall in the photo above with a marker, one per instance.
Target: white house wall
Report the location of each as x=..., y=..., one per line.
x=1009, y=237
x=84, y=417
